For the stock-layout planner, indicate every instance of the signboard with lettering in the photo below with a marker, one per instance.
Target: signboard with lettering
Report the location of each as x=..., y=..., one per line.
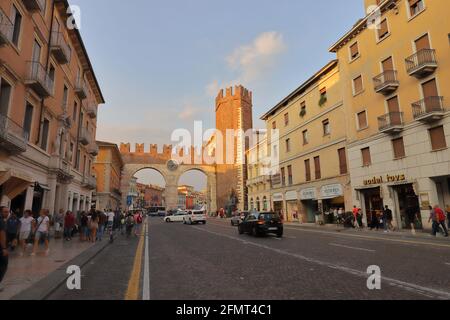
x=387, y=179
x=277, y=197
x=291, y=196
x=331, y=191
x=308, y=194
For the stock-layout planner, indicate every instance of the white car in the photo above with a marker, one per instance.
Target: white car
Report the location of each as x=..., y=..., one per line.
x=176, y=217
x=195, y=217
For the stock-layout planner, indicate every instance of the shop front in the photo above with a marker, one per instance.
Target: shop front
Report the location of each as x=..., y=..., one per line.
x=292, y=206
x=277, y=200
x=332, y=198
x=310, y=205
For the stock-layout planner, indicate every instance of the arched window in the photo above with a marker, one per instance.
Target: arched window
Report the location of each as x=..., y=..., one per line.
x=258, y=205
x=252, y=204
x=265, y=204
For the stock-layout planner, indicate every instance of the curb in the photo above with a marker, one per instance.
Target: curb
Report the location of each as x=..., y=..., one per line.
x=42, y=289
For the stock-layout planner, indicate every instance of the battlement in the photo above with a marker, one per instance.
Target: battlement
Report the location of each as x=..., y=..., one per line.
x=233, y=93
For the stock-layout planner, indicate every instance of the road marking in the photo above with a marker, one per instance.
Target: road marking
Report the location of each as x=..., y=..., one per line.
x=448, y=264
x=370, y=238
x=425, y=291
x=146, y=285
x=133, y=284
x=353, y=248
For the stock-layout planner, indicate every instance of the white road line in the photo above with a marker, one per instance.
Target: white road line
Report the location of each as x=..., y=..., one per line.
x=146, y=284
x=438, y=294
x=353, y=248
x=448, y=264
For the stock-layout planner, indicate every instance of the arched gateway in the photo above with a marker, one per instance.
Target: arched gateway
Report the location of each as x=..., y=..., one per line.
x=170, y=167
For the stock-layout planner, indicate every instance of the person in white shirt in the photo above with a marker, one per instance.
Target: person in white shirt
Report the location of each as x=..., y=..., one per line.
x=42, y=229
x=27, y=223
x=111, y=216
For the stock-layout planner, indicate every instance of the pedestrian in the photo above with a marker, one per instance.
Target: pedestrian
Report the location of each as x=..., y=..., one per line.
x=102, y=220
x=111, y=217
x=27, y=224
x=129, y=224
x=122, y=223
x=69, y=224
x=434, y=220
x=355, y=212
x=387, y=216
x=12, y=231
x=137, y=223
x=84, y=222
x=41, y=232
x=440, y=217
x=59, y=223
x=374, y=224
x=448, y=215
x=3, y=249
x=412, y=216
x=95, y=219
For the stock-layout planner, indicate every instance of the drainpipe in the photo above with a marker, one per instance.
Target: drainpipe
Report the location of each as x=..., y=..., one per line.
x=46, y=67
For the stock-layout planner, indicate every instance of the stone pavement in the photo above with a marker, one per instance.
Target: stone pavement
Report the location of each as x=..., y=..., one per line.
x=25, y=271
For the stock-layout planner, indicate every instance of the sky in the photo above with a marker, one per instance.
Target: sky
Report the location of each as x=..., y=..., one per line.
x=160, y=64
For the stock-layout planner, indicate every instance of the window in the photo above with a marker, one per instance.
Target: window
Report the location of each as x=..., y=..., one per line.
x=5, y=97
x=305, y=137
x=283, y=177
x=383, y=30
x=84, y=164
x=362, y=120
x=307, y=170
x=274, y=125
x=323, y=96
x=317, y=171
x=71, y=152
x=423, y=43
x=288, y=145
x=415, y=7
x=437, y=136
x=303, y=109
x=366, y=159
x=65, y=95
x=17, y=23
x=290, y=177
x=75, y=112
x=399, y=148
x=28, y=120
x=286, y=119
x=51, y=74
x=354, y=51
x=342, y=161
x=77, y=160
x=357, y=85
x=326, y=127
x=45, y=131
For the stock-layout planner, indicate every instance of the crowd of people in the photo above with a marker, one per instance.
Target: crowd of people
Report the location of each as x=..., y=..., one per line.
x=27, y=231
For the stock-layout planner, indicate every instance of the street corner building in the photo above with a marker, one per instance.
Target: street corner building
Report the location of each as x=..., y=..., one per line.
x=49, y=99
x=370, y=129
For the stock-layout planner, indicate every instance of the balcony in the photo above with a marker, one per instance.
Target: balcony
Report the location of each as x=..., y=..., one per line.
x=391, y=123
x=93, y=149
x=34, y=5
x=92, y=110
x=12, y=136
x=65, y=119
x=81, y=89
x=386, y=82
x=6, y=29
x=89, y=182
x=59, y=47
x=85, y=136
x=422, y=63
x=429, y=109
x=258, y=180
x=38, y=80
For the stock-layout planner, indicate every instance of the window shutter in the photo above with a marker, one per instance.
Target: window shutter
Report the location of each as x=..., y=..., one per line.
x=423, y=43
x=317, y=168
x=430, y=89
x=362, y=120
x=307, y=170
x=354, y=50
x=342, y=161
x=388, y=65
x=358, y=84
x=367, y=161
x=437, y=136
x=399, y=148
x=383, y=29
x=393, y=105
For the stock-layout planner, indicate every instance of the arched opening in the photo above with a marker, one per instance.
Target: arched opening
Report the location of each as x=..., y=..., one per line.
x=265, y=205
x=147, y=190
x=194, y=190
x=258, y=205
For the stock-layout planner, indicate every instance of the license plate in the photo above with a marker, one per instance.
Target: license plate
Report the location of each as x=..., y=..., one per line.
x=273, y=229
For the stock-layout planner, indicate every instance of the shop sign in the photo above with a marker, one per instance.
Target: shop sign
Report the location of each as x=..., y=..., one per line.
x=388, y=179
x=276, y=179
x=277, y=197
x=308, y=194
x=331, y=191
x=291, y=196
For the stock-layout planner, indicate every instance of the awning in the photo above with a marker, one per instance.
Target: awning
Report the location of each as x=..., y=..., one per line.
x=14, y=182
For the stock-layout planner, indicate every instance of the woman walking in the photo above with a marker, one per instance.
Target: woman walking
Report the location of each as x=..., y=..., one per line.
x=27, y=224
x=94, y=226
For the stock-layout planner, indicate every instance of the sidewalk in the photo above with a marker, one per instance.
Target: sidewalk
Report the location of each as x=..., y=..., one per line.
x=23, y=272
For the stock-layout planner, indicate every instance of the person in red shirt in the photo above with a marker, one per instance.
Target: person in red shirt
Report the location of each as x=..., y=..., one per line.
x=69, y=223
x=356, y=211
x=440, y=217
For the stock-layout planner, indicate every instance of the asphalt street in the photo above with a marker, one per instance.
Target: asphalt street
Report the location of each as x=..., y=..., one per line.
x=213, y=262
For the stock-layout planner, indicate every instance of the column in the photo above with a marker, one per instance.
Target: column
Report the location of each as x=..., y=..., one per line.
x=51, y=196
x=70, y=201
x=29, y=198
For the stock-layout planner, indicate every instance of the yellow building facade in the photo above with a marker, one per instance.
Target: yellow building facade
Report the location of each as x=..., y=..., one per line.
x=395, y=78
x=312, y=181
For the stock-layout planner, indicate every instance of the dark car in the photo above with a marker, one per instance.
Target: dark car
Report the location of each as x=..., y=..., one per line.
x=262, y=223
x=238, y=218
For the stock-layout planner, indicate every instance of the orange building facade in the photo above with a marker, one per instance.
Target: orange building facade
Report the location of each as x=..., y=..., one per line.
x=49, y=98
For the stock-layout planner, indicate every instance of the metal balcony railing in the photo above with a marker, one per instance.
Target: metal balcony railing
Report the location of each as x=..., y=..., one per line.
x=430, y=106
x=61, y=50
x=386, y=81
x=423, y=61
x=12, y=136
x=39, y=79
x=391, y=121
x=6, y=28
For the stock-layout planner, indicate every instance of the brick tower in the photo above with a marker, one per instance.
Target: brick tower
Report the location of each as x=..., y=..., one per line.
x=233, y=111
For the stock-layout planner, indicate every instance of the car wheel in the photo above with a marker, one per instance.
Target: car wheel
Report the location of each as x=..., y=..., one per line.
x=240, y=230
x=167, y=220
x=204, y=222
x=190, y=221
x=255, y=232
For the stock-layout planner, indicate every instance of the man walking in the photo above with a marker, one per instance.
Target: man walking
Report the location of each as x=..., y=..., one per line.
x=440, y=216
x=387, y=215
x=69, y=223
x=3, y=248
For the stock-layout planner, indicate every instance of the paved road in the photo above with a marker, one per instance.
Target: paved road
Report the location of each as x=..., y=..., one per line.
x=214, y=262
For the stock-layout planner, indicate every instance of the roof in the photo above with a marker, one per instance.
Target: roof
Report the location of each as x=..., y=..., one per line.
x=327, y=68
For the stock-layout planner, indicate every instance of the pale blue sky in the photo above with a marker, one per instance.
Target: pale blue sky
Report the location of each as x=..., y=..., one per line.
x=160, y=63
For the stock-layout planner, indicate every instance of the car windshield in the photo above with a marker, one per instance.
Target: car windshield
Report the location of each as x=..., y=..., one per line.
x=269, y=216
